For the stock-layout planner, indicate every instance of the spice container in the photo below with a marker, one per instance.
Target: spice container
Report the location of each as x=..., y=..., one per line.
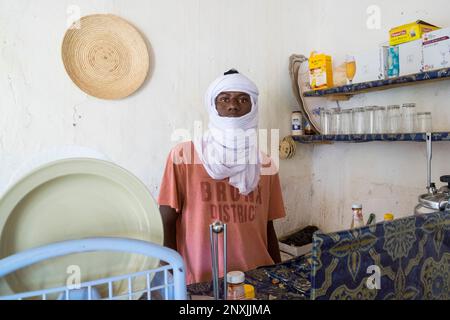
x=358, y=219
x=297, y=124
x=236, y=289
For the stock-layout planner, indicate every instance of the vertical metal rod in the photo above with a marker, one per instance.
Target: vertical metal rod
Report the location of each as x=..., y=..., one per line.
x=429, y=156
x=225, y=289
x=130, y=289
x=213, y=260
x=110, y=290
x=216, y=259
x=89, y=293
x=149, y=296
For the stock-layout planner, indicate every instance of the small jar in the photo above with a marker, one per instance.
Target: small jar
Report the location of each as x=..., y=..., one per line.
x=297, y=124
x=357, y=219
x=388, y=217
x=236, y=290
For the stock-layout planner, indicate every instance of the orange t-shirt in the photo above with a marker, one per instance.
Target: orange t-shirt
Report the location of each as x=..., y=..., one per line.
x=201, y=200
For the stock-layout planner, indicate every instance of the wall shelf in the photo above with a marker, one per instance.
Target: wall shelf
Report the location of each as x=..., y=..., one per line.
x=358, y=138
x=347, y=91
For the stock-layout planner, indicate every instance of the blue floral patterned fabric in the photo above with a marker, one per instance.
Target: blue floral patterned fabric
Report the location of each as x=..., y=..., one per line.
x=412, y=254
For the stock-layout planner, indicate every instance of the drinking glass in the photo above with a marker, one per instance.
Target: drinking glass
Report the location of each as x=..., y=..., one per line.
x=370, y=119
x=408, y=117
x=325, y=121
x=336, y=121
x=346, y=121
x=393, y=117
x=424, y=122
x=350, y=68
x=379, y=120
x=359, y=121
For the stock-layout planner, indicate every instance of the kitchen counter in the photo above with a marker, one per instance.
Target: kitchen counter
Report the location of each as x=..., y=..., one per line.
x=289, y=280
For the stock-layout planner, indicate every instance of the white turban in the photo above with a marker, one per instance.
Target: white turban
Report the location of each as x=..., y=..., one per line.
x=230, y=148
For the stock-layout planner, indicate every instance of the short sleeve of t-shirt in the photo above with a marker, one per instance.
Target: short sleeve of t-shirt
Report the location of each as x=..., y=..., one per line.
x=276, y=204
x=171, y=189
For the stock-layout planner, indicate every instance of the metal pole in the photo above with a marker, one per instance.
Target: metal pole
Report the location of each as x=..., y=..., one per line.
x=215, y=229
x=213, y=259
x=429, y=157
x=225, y=288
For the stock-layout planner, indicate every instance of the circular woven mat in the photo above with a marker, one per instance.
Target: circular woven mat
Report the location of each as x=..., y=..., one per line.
x=106, y=56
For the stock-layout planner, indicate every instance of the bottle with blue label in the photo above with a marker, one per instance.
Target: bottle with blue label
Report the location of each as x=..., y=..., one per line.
x=297, y=124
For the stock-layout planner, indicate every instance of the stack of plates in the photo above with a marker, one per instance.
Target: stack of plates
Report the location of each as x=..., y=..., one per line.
x=288, y=148
x=74, y=199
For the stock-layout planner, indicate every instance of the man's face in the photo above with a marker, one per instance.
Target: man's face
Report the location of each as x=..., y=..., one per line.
x=233, y=104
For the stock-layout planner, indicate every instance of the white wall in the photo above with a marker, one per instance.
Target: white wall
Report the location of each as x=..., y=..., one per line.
x=383, y=176
x=192, y=41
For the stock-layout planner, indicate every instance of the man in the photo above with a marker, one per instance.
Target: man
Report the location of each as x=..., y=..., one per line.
x=220, y=178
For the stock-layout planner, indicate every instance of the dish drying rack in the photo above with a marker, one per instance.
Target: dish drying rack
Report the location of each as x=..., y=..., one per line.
x=167, y=282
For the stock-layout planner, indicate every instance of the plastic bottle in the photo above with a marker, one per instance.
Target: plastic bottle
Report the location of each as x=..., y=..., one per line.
x=236, y=290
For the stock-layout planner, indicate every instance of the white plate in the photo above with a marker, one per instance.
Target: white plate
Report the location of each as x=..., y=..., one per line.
x=74, y=199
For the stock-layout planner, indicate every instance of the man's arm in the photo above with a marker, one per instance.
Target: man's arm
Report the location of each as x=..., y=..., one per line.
x=272, y=243
x=169, y=219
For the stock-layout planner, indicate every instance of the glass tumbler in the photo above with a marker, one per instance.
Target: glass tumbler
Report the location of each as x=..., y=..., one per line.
x=424, y=122
x=379, y=120
x=393, y=119
x=408, y=117
x=346, y=121
x=335, y=121
x=370, y=119
x=359, y=121
x=325, y=121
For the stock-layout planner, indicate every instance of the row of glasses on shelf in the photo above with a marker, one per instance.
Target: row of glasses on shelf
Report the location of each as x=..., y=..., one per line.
x=375, y=120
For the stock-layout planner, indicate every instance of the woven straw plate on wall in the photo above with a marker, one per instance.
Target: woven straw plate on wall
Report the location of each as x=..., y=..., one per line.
x=106, y=56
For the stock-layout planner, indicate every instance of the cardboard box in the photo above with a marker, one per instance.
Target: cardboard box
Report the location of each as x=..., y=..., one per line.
x=371, y=65
x=321, y=71
x=410, y=57
x=409, y=32
x=384, y=61
x=436, y=50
